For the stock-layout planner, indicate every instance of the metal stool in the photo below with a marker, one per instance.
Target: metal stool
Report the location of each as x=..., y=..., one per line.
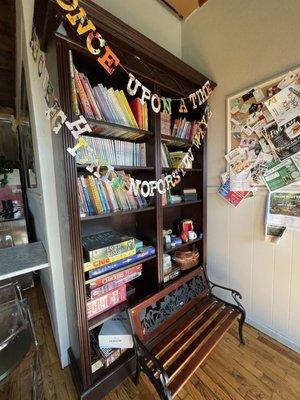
x=16, y=333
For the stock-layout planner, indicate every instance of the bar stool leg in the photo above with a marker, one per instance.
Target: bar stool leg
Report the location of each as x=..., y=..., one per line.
x=36, y=364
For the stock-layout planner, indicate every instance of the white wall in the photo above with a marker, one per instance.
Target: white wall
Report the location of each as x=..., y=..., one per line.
x=43, y=201
x=238, y=44
x=150, y=18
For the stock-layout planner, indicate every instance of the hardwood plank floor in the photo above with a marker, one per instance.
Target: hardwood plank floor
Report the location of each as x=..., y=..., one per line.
x=263, y=369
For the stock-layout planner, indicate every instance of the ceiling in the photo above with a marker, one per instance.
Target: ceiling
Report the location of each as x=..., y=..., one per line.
x=183, y=8
x=7, y=56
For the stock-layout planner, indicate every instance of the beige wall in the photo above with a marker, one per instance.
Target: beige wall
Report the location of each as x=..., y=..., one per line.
x=238, y=43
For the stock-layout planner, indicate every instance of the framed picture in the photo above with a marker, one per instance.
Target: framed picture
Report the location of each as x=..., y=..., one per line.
x=265, y=118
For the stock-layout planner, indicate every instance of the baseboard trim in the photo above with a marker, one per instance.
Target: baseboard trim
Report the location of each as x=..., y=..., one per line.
x=275, y=335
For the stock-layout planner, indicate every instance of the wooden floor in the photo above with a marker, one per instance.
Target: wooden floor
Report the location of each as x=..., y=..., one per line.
x=263, y=369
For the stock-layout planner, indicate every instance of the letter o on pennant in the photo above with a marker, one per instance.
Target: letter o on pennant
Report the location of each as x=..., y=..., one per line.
x=161, y=188
x=156, y=98
x=68, y=7
x=143, y=192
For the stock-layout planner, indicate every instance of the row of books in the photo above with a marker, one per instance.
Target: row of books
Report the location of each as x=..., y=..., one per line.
x=115, y=152
x=172, y=159
x=97, y=196
x=105, y=104
x=184, y=129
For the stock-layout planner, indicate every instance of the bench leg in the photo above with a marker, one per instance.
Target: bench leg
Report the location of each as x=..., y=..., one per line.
x=241, y=325
x=136, y=378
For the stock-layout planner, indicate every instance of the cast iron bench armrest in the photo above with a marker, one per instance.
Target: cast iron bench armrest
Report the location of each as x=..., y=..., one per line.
x=236, y=297
x=145, y=355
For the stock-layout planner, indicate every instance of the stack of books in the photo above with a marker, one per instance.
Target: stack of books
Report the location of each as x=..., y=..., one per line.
x=105, y=248
x=190, y=194
x=108, y=251
x=172, y=159
x=97, y=196
x=105, y=104
x=115, y=152
x=95, y=269
x=165, y=123
x=184, y=129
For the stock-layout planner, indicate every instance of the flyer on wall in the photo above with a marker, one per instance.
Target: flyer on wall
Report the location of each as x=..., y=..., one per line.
x=283, y=209
x=233, y=198
x=281, y=174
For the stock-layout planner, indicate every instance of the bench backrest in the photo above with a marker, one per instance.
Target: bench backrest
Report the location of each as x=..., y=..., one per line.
x=159, y=311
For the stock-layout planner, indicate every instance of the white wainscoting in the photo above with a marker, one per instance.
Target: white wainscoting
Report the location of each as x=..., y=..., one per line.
x=267, y=275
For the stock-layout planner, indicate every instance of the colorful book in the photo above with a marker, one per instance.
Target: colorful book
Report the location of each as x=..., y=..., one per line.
x=103, y=303
x=86, y=107
x=74, y=101
x=136, y=269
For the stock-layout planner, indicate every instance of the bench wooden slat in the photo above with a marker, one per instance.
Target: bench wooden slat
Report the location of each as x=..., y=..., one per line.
x=189, y=351
x=159, y=347
x=183, y=340
x=201, y=354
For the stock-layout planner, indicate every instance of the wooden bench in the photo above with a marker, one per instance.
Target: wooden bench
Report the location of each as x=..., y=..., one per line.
x=176, y=329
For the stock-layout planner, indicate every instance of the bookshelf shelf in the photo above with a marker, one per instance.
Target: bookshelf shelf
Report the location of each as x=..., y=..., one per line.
x=116, y=213
x=111, y=130
x=183, y=203
x=174, y=141
x=182, y=245
x=121, y=167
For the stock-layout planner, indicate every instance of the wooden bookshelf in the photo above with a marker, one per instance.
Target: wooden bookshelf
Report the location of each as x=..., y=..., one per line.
x=162, y=76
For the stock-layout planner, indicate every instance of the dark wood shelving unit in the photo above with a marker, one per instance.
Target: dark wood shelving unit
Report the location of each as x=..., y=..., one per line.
x=163, y=74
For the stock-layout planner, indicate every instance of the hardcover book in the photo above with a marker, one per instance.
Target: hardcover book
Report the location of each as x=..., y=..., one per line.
x=116, y=333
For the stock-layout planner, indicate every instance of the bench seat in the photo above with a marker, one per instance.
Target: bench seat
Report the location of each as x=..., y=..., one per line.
x=170, y=348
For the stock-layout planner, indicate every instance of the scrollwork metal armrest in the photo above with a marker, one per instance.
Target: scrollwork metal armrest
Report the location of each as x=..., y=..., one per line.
x=144, y=356
x=234, y=293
